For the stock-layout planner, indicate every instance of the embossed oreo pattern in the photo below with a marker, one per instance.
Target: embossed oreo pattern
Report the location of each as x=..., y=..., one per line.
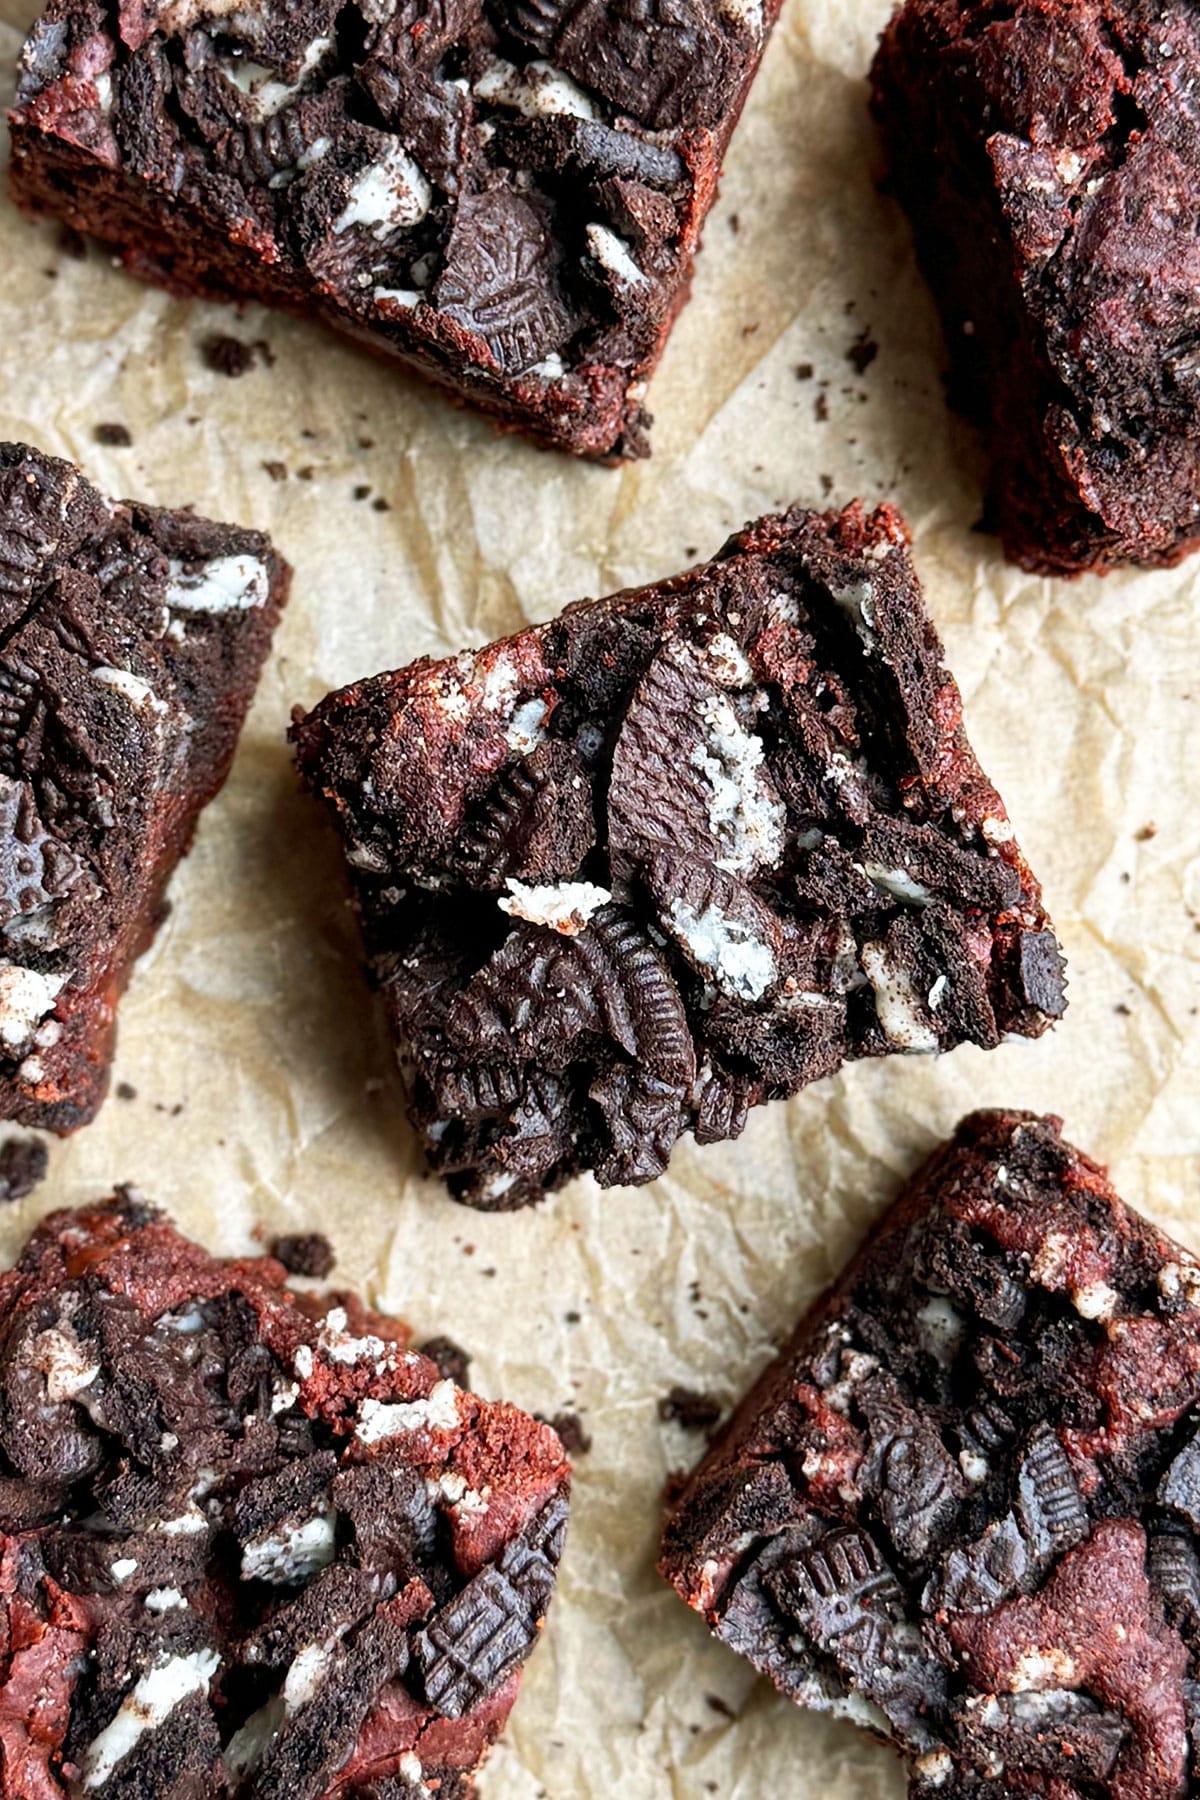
x=509, y=193
x=251, y=1547
x=959, y=1508
x=678, y=853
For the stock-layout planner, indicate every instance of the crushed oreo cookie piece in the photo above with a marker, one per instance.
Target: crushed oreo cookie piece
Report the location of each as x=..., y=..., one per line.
x=255, y=1547
x=959, y=1507
x=450, y=1358
x=685, y=1406
x=677, y=853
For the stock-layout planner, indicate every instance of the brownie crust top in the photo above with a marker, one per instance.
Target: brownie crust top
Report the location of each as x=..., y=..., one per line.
x=961, y=1507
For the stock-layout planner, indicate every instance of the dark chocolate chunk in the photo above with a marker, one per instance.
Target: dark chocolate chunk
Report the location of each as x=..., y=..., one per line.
x=677, y=853
x=977, y=1545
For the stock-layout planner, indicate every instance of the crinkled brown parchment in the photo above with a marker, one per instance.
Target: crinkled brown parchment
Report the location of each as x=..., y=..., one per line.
x=264, y=1091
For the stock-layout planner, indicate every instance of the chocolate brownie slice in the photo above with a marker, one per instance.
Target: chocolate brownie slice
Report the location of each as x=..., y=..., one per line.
x=130, y=646
x=678, y=852
x=506, y=196
x=251, y=1547
x=1048, y=154
x=961, y=1506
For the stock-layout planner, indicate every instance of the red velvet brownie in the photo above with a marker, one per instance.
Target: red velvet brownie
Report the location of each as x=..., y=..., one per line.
x=507, y=196
x=251, y=1547
x=961, y=1506
x=1048, y=154
x=132, y=644
x=676, y=853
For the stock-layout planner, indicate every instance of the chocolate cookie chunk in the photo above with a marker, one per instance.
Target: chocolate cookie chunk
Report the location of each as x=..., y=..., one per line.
x=1048, y=154
x=130, y=646
x=506, y=194
x=960, y=1508
x=251, y=1547
x=679, y=852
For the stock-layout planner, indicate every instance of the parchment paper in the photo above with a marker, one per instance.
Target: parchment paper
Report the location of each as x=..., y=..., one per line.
x=264, y=1087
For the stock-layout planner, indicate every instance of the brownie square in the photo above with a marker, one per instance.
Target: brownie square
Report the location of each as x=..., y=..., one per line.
x=132, y=643
x=508, y=197
x=251, y=1547
x=1048, y=155
x=961, y=1506
x=678, y=852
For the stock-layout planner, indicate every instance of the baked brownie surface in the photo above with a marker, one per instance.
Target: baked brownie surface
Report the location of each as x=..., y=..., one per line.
x=250, y=1545
x=1048, y=153
x=681, y=851
x=961, y=1507
x=507, y=196
x=131, y=645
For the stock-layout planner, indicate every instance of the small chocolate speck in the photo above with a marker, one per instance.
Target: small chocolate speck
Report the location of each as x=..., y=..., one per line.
x=22, y=1166
x=1148, y=831
x=379, y=504
x=453, y=1362
x=862, y=352
x=569, y=1426
x=116, y=436
x=827, y=484
x=821, y=409
x=72, y=243
x=306, y=473
x=572, y=1318
x=304, y=1253
x=362, y=491
x=720, y=1706
x=276, y=470
x=126, y=1090
x=685, y=1406
x=804, y=371
x=226, y=355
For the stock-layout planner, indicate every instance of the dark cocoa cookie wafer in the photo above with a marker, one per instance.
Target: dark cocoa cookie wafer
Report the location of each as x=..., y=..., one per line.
x=961, y=1507
x=676, y=853
x=251, y=1546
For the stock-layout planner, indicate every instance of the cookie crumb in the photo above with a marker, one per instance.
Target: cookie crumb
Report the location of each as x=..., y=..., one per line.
x=23, y=1164
x=453, y=1362
x=694, y=1411
x=304, y=1253
x=115, y=435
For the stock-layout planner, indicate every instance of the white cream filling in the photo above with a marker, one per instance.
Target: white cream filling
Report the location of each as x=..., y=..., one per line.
x=740, y=963
x=437, y=1412
x=391, y=193
x=227, y=584
x=745, y=814
x=567, y=907
x=539, y=90
x=292, y=1556
x=612, y=253
x=896, y=1003
x=26, y=996
x=138, y=692
x=144, y=1709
